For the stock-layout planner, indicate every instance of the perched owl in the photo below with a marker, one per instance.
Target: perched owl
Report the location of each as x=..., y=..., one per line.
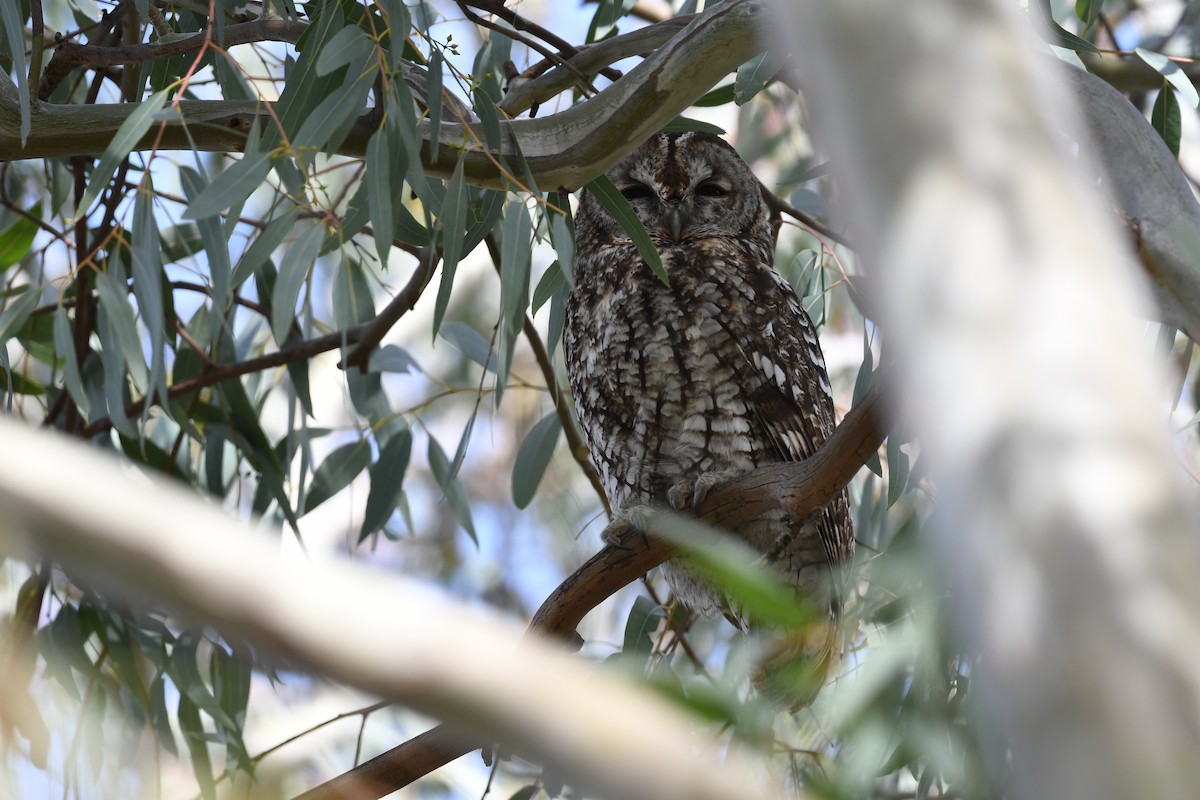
x=716, y=374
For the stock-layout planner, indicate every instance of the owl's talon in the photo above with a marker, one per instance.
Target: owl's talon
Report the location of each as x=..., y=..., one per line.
x=686, y=496
x=626, y=532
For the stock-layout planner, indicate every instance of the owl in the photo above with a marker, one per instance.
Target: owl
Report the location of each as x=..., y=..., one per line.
x=708, y=377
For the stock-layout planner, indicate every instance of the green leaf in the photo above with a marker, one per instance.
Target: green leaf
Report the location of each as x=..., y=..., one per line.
x=14, y=28
x=533, y=457
x=683, y=124
x=452, y=490
x=16, y=239
x=515, y=254
x=454, y=211
x=160, y=718
x=216, y=248
x=185, y=673
x=352, y=300
x=1174, y=75
x=551, y=281
x=387, y=482
x=378, y=179
x=128, y=135
x=433, y=94
x=264, y=244
x=1062, y=37
x=717, y=97
x=231, y=187
x=292, y=272
x=16, y=313
x=755, y=74
x=562, y=235
x=391, y=358
x=1166, y=118
x=148, y=287
x=194, y=736
x=468, y=342
x=756, y=591
x=327, y=126
x=642, y=622
x=615, y=204
x=64, y=342
x=114, y=301
x=336, y=472
x=349, y=46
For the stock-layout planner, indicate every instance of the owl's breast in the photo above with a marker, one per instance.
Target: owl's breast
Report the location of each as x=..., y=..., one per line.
x=655, y=379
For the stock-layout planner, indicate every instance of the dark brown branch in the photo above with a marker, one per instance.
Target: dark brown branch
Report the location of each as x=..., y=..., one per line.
x=519, y=23
x=800, y=486
x=374, y=331
x=778, y=205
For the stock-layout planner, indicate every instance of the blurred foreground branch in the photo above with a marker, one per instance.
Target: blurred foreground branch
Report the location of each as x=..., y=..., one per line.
x=138, y=536
x=1015, y=305
x=801, y=486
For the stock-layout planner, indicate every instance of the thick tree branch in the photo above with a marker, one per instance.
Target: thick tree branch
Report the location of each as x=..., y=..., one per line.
x=561, y=150
x=800, y=486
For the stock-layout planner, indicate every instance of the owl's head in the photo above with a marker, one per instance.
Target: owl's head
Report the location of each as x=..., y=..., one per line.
x=684, y=187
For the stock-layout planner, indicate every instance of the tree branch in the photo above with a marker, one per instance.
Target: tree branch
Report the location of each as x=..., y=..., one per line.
x=383, y=633
x=800, y=486
x=566, y=149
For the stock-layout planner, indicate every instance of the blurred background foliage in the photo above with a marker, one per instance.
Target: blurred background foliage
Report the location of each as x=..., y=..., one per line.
x=190, y=311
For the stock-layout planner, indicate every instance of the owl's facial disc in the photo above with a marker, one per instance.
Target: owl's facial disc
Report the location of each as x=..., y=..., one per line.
x=673, y=215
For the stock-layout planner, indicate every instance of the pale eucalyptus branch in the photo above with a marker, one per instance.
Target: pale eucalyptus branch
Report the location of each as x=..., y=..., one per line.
x=381, y=632
x=562, y=150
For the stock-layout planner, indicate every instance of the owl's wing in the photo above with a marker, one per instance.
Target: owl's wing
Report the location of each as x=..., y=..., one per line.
x=782, y=368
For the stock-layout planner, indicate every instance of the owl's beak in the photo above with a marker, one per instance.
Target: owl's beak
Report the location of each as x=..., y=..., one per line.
x=675, y=222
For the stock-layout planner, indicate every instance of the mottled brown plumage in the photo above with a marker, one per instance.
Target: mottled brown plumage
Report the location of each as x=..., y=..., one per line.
x=712, y=376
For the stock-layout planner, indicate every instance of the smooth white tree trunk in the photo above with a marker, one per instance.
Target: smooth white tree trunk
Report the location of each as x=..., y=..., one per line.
x=1013, y=309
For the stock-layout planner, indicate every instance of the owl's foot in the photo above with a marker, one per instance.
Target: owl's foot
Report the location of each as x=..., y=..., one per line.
x=627, y=531
x=687, y=495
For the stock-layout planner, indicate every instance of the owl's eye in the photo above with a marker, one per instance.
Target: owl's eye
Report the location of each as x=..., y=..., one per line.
x=710, y=189
x=635, y=191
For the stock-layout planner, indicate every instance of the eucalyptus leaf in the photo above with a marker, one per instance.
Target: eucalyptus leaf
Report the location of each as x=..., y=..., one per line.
x=452, y=490
x=615, y=204
x=533, y=457
x=336, y=472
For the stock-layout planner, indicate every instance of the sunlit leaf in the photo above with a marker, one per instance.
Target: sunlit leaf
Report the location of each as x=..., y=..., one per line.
x=1174, y=75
